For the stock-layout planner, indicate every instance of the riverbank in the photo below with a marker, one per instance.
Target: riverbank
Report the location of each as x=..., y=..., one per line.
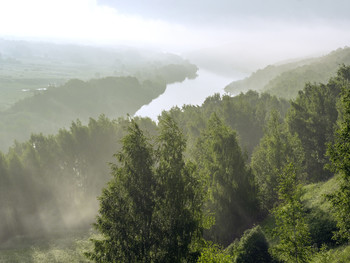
x=190, y=91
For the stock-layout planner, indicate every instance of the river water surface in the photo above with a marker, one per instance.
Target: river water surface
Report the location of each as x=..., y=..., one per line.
x=190, y=91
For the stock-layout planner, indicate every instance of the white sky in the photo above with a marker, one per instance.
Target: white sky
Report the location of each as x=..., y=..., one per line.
x=266, y=38
x=84, y=20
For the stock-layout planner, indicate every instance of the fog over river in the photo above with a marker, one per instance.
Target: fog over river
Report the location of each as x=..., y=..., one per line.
x=190, y=91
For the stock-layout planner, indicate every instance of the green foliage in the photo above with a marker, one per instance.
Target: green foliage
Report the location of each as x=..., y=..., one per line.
x=127, y=205
x=286, y=80
x=232, y=192
x=180, y=194
x=50, y=183
x=213, y=253
x=321, y=227
x=291, y=228
x=246, y=113
x=151, y=209
x=319, y=218
x=29, y=68
x=251, y=248
x=155, y=200
x=312, y=117
x=322, y=256
x=56, y=106
x=320, y=222
x=249, y=113
x=262, y=77
x=335, y=255
x=339, y=154
x=276, y=149
x=320, y=70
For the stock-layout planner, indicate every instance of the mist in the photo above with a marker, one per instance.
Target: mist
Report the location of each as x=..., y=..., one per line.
x=233, y=35
x=74, y=75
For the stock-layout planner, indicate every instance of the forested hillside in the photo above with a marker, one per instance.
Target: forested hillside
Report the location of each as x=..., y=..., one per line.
x=87, y=148
x=29, y=67
x=250, y=178
x=56, y=107
x=287, y=79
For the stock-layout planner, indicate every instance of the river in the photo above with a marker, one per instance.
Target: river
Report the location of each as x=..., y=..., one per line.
x=190, y=91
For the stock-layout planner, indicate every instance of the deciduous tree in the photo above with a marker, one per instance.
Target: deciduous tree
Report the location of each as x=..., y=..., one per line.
x=230, y=183
x=339, y=154
x=291, y=229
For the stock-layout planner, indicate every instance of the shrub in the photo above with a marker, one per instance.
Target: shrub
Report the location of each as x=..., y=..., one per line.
x=252, y=247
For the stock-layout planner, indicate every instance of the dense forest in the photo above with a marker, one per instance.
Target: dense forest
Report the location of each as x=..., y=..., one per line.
x=249, y=178
x=261, y=176
x=80, y=154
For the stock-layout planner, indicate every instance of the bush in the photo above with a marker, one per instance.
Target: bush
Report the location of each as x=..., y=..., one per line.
x=213, y=253
x=321, y=228
x=252, y=247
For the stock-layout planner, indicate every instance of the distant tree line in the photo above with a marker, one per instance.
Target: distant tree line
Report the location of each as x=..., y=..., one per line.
x=46, y=112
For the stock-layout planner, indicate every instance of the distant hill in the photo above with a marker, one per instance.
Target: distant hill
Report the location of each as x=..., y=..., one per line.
x=56, y=107
x=26, y=67
x=287, y=79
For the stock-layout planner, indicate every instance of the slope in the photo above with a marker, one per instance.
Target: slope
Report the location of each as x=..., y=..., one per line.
x=56, y=107
x=287, y=79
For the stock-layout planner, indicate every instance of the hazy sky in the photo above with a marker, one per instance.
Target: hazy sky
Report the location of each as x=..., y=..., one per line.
x=221, y=11
x=263, y=30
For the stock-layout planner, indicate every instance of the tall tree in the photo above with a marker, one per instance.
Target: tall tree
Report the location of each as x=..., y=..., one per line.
x=312, y=117
x=232, y=192
x=179, y=192
x=339, y=154
x=277, y=148
x=291, y=229
x=127, y=205
x=151, y=209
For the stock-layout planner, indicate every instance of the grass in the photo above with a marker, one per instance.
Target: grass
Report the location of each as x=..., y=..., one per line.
x=335, y=255
x=320, y=223
x=315, y=197
x=315, y=194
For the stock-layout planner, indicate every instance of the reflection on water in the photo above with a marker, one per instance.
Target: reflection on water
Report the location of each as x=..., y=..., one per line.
x=190, y=91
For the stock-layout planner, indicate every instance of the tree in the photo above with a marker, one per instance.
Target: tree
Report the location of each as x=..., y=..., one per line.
x=127, y=205
x=252, y=247
x=312, y=117
x=151, y=209
x=277, y=148
x=339, y=154
x=230, y=183
x=291, y=230
x=213, y=253
x=180, y=194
